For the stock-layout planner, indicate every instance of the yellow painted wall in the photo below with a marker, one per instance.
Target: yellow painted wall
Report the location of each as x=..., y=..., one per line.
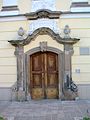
x=80, y=28
x=24, y=6
x=63, y=5
x=41, y=38
x=13, y=26
x=75, y=23
x=8, y=70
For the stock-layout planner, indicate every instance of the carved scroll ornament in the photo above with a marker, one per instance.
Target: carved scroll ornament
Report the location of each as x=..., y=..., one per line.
x=44, y=31
x=43, y=13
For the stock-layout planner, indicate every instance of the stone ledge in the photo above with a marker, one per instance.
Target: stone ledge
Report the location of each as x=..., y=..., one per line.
x=9, y=8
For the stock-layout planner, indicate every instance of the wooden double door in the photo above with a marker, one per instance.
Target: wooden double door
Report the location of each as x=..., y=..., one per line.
x=44, y=75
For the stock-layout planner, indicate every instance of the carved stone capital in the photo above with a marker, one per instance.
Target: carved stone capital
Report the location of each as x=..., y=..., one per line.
x=19, y=50
x=68, y=48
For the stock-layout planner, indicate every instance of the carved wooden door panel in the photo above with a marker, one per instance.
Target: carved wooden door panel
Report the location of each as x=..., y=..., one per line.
x=52, y=75
x=36, y=76
x=43, y=75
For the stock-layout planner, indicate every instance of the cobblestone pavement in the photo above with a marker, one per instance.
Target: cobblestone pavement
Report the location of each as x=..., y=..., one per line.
x=44, y=110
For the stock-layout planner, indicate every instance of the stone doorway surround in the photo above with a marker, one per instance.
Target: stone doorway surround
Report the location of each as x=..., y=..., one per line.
x=60, y=65
x=65, y=73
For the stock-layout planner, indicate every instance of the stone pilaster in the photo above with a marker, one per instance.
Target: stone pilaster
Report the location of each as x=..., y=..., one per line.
x=68, y=52
x=19, y=52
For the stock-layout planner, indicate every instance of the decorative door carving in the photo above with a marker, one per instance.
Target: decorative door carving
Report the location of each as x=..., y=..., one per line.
x=44, y=75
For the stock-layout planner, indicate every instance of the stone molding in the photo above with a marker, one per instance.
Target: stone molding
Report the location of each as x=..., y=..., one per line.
x=43, y=13
x=80, y=4
x=10, y=8
x=44, y=31
x=22, y=71
x=60, y=66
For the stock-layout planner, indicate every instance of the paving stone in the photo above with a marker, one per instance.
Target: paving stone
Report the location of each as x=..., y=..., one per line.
x=78, y=118
x=45, y=110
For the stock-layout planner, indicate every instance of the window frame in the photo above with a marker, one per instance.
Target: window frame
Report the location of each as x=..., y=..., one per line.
x=9, y=3
x=84, y=50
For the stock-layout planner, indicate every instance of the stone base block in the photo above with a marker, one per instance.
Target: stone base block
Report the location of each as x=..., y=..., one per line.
x=21, y=95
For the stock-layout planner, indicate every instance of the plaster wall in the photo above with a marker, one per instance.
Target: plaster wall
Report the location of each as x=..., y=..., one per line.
x=25, y=6
x=43, y=38
x=80, y=28
x=63, y=5
x=8, y=66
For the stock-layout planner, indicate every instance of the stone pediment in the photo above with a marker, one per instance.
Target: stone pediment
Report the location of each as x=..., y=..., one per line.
x=43, y=13
x=44, y=31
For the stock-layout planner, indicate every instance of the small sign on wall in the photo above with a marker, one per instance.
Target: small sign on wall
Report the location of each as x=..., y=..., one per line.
x=77, y=71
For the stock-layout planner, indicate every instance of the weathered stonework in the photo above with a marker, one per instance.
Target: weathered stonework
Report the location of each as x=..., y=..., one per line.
x=43, y=13
x=19, y=52
x=23, y=59
x=43, y=46
x=44, y=31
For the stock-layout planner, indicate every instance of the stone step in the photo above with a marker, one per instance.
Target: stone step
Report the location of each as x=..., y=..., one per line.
x=46, y=117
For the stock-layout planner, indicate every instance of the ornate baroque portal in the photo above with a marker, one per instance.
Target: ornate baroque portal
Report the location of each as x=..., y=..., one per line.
x=47, y=80
x=44, y=72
